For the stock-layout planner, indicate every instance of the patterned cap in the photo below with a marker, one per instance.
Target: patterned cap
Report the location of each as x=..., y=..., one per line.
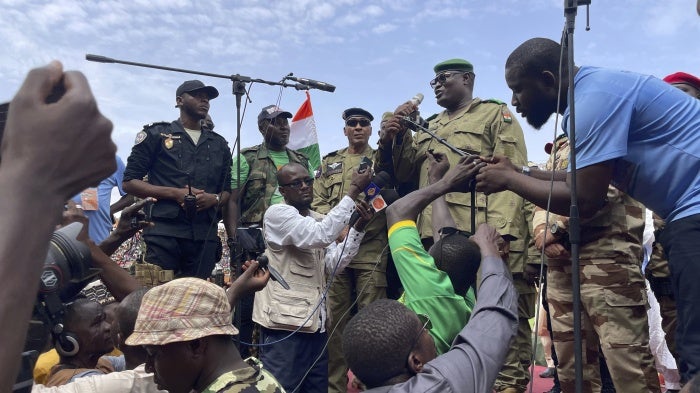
x=182, y=310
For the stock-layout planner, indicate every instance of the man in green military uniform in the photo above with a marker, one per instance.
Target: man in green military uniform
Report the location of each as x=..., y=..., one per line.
x=364, y=280
x=475, y=126
x=255, y=188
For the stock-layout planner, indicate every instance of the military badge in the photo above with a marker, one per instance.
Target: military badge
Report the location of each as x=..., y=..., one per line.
x=140, y=137
x=333, y=168
x=168, y=143
x=507, y=117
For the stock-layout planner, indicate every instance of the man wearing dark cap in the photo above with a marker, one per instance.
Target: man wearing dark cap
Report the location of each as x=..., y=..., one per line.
x=475, y=126
x=182, y=158
x=690, y=84
x=255, y=188
x=364, y=280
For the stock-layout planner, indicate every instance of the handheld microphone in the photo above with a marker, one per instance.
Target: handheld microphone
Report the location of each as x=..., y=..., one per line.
x=274, y=274
x=373, y=192
x=417, y=99
x=313, y=84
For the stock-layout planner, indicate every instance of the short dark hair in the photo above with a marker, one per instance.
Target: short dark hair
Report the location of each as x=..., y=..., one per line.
x=375, y=341
x=460, y=258
x=128, y=310
x=536, y=55
x=72, y=313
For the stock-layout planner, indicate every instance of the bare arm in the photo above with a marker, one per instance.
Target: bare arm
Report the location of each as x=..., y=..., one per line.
x=79, y=155
x=441, y=212
x=408, y=207
x=592, y=185
x=231, y=213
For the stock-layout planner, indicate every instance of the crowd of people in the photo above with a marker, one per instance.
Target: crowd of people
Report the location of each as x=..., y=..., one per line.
x=415, y=265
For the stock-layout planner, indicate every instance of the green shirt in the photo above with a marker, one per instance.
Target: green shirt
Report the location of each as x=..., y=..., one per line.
x=280, y=158
x=427, y=289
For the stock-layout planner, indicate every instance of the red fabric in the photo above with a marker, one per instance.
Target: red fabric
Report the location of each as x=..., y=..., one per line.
x=682, y=77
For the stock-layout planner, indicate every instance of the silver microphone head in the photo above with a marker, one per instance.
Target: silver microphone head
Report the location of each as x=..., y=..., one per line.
x=417, y=99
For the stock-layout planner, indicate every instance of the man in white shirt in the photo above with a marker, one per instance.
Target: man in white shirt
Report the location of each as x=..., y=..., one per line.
x=301, y=245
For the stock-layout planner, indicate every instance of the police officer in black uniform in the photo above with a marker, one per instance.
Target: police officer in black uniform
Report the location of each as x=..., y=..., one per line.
x=182, y=158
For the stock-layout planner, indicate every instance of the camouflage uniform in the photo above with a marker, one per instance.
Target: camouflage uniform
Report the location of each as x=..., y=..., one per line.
x=659, y=276
x=249, y=379
x=613, y=295
x=257, y=191
x=365, y=276
x=484, y=127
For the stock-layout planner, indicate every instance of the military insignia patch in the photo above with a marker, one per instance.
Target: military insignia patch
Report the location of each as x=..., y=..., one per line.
x=333, y=168
x=140, y=137
x=507, y=117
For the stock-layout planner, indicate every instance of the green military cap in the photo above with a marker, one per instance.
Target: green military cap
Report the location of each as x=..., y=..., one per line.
x=454, y=65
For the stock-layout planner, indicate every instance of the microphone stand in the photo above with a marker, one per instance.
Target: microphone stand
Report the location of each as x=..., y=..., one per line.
x=238, y=90
x=570, y=9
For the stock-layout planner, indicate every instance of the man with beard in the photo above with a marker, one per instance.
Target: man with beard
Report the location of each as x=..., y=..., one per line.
x=183, y=161
x=632, y=131
x=475, y=126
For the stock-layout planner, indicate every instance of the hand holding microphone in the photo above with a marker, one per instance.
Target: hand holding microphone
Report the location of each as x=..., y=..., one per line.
x=395, y=125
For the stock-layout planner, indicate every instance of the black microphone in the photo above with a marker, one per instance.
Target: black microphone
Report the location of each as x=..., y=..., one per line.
x=313, y=84
x=379, y=180
x=274, y=274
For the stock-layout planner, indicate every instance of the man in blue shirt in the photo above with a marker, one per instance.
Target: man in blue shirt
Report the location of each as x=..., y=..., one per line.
x=632, y=131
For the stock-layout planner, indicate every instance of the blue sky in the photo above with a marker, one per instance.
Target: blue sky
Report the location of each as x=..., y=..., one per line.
x=378, y=54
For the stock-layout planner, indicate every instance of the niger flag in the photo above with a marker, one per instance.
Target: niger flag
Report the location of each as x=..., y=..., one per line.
x=303, y=136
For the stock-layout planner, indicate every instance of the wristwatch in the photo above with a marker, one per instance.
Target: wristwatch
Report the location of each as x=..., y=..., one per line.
x=218, y=199
x=556, y=229
x=525, y=170
x=231, y=243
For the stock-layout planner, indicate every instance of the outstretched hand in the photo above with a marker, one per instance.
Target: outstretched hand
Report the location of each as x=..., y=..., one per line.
x=488, y=240
x=437, y=166
x=495, y=175
x=253, y=278
x=366, y=214
x=460, y=177
x=133, y=218
x=56, y=134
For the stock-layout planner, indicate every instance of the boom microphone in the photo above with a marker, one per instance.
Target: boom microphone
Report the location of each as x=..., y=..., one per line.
x=313, y=84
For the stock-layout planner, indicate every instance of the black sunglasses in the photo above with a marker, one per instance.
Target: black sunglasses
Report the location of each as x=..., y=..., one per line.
x=297, y=184
x=355, y=122
x=442, y=78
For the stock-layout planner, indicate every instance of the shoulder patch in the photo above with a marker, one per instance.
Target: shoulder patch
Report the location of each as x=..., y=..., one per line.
x=140, y=137
x=507, y=116
x=333, y=168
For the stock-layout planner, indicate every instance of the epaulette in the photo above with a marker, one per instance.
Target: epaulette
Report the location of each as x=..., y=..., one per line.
x=494, y=101
x=505, y=113
x=331, y=154
x=432, y=117
x=158, y=123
